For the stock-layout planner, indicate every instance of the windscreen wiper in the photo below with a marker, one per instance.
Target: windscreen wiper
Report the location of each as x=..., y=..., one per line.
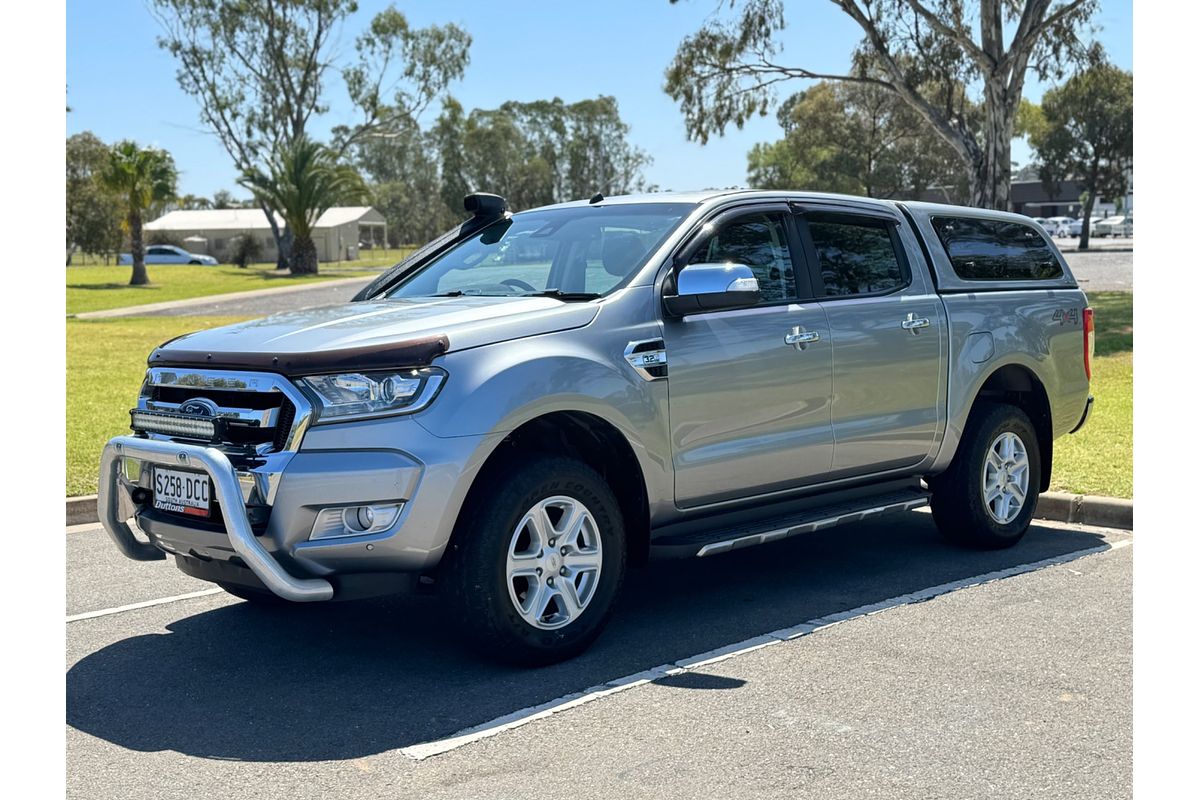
x=559, y=294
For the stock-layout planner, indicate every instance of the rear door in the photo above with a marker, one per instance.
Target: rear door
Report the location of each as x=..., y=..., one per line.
x=749, y=412
x=886, y=325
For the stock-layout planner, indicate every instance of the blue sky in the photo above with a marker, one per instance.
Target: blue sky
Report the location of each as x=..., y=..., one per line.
x=121, y=85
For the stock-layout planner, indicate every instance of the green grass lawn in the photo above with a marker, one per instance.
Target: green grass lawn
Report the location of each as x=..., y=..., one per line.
x=1099, y=459
x=98, y=288
x=106, y=360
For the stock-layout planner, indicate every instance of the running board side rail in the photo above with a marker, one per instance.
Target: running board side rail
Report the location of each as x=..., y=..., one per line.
x=715, y=542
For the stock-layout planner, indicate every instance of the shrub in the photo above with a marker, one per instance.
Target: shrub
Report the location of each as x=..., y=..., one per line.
x=245, y=250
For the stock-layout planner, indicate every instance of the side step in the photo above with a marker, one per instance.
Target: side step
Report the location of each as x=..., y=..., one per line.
x=723, y=539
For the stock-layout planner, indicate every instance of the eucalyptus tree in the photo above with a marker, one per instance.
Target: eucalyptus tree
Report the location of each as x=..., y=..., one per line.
x=93, y=211
x=1084, y=130
x=259, y=69
x=728, y=71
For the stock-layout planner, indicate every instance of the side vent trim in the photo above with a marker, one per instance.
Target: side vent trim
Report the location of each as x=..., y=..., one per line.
x=648, y=357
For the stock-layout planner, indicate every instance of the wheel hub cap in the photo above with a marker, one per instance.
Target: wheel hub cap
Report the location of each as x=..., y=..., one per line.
x=554, y=561
x=1005, y=478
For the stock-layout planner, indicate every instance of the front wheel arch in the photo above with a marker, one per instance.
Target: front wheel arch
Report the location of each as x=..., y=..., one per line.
x=587, y=438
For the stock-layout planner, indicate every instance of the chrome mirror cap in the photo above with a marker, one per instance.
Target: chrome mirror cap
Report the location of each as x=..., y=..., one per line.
x=712, y=287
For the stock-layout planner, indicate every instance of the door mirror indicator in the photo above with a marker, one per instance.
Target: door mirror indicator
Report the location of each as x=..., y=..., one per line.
x=712, y=287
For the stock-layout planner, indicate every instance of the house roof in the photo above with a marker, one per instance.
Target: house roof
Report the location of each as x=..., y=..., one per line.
x=240, y=219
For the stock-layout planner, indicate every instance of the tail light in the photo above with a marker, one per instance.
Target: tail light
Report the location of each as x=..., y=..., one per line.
x=1089, y=341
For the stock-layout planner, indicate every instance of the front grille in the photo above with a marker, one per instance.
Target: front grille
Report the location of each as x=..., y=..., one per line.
x=224, y=398
x=262, y=410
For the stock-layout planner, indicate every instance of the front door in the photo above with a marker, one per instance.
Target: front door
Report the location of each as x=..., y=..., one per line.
x=749, y=412
x=886, y=330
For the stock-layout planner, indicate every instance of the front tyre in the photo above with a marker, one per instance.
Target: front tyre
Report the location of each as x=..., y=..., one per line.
x=534, y=571
x=987, y=497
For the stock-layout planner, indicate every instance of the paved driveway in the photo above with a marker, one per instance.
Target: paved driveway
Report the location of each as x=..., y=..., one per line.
x=1015, y=688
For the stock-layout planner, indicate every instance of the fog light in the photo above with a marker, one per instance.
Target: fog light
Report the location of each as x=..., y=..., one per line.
x=359, y=519
x=354, y=520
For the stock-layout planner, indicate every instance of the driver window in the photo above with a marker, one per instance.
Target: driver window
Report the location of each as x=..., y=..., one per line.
x=760, y=242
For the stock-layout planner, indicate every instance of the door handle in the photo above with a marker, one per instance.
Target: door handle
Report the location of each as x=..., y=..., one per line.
x=800, y=338
x=914, y=324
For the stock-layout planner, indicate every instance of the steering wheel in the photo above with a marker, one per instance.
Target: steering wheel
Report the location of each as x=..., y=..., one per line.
x=518, y=283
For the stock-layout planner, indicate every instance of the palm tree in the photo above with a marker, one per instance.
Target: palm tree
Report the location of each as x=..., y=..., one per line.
x=305, y=181
x=142, y=176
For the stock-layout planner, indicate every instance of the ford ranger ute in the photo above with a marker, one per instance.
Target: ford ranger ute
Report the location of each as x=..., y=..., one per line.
x=534, y=401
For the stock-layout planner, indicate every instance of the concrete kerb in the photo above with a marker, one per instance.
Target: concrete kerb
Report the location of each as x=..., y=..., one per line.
x=1104, y=512
x=133, y=311
x=82, y=510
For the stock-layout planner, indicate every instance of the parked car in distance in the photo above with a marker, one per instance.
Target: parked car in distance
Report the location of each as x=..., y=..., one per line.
x=1114, y=226
x=520, y=411
x=169, y=254
x=1059, y=226
x=1076, y=227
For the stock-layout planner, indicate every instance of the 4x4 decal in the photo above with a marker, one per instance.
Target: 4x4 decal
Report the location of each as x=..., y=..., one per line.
x=1066, y=316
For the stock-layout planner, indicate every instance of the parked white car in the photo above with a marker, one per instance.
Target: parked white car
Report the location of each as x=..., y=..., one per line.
x=169, y=254
x=1114, y=226
x=1076, y=227
x=1059, y=226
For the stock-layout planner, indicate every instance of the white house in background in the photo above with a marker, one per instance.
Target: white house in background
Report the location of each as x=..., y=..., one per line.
x=337, y=234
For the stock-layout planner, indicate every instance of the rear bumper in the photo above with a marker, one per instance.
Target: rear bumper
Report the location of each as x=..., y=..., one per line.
x=1087, y=413
x=229, y=497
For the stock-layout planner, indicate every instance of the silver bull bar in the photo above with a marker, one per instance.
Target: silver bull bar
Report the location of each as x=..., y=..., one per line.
x=233, y=509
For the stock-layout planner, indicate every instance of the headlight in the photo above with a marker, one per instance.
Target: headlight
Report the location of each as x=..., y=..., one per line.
x=359, y=395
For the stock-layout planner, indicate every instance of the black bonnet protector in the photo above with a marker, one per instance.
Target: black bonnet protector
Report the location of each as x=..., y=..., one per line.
x=409, y=353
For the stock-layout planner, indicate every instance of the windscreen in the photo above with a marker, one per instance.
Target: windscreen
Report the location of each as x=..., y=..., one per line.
x=585, y=250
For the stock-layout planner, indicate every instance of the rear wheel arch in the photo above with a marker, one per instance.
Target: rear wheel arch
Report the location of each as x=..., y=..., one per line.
x=1020, y=386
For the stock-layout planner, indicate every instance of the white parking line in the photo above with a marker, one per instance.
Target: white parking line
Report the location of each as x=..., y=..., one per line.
x=543, y=710
x=104, y=612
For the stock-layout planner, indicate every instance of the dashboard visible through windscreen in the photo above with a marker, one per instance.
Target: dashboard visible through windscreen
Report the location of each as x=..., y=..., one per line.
x=580, y=250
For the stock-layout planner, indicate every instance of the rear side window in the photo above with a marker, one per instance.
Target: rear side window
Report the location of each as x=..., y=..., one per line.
x=996, y=250
x=856, y=255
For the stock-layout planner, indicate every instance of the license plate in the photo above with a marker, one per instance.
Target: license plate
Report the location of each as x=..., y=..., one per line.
x=181, y=492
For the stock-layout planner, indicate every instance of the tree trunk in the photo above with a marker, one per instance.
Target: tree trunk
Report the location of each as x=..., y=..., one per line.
x=991, y=178
x=286, y=243
x=281, y=254
x=1085, y=231
x=304, y=256
x=137, y=250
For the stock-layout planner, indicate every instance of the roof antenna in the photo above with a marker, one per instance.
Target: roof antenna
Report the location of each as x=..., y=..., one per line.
x=596, y=198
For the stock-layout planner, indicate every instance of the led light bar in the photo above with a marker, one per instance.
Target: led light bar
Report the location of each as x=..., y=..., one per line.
x=169, y=424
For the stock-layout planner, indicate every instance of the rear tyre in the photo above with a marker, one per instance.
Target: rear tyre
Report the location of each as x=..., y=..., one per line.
x=987, y=497
x=534, y=570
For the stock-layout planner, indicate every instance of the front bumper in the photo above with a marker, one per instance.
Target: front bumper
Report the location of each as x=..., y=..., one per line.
x=281, y=495
x=228, y=492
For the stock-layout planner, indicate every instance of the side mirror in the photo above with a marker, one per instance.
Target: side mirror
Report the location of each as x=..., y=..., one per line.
x=712, y=287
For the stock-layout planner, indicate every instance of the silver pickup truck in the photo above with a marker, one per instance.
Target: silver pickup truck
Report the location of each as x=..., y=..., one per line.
x=535, y=401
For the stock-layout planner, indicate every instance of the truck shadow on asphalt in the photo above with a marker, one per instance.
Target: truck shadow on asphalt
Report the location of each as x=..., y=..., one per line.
x=347, y=680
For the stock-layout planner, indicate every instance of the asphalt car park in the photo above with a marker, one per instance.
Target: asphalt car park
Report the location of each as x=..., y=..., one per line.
x=866, y=660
